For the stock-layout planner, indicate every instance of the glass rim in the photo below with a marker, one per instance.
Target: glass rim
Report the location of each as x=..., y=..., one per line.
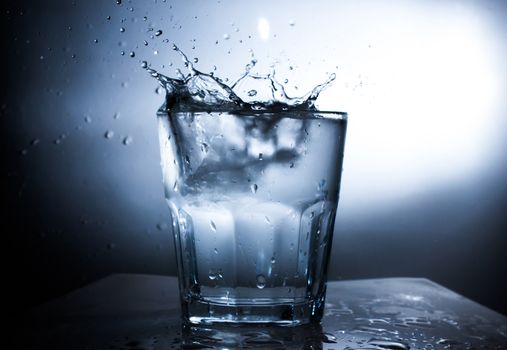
x=334, y=115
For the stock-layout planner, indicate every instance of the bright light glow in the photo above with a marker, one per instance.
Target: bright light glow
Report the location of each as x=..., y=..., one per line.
x=425, y=111
x=263, y=28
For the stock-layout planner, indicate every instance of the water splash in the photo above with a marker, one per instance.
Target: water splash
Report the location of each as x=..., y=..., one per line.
x=198, y=90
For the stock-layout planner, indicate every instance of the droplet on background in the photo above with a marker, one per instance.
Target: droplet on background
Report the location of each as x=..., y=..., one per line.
x=109, y=134
x=227, y=36
x=132, y=54
x=254, y=188
x=127, y=140
x=158, y=32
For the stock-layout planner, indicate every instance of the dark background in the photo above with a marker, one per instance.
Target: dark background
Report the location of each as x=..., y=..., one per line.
x=424, y=190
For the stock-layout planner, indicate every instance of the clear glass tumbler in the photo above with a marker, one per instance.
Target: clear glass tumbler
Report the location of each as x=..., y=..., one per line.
x=253, y=199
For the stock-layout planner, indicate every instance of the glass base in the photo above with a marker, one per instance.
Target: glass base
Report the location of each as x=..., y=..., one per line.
x=294, y=314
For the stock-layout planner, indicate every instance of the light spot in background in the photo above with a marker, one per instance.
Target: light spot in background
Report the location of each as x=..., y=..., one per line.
x=263, y=28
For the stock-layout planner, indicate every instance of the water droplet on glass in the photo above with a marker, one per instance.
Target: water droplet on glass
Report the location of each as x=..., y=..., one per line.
x=252, y=93
x=213, y=226
x=132, y=54
x=109, y=134
x=261, y=281
x=212, y=275
x=127, y=140
x=144, y=64
x=254, y=188
x=158, y=32
x=227, y=36
x=122, y=29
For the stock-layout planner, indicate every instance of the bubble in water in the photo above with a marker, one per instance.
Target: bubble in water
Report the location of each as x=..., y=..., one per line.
x=260, y=156
x=144, y=64
x=118, y=2
x=158, y=32
x=109, y=134
x=159, y=90
x=273, y=260
x=108, y=18
x=96, y=41
x=132, y=54
x=127, y=140
x=213, y=226
x=261, y=281
x=122, y=29
x=212, y=275
x=227, y=36
x=196, y=60
x=254, y=188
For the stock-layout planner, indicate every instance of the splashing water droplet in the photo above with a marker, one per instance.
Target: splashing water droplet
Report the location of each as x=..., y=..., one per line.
x=254, y=188
x=261, y=281
x=109, y=134
x=127, y=140
x=116, y=115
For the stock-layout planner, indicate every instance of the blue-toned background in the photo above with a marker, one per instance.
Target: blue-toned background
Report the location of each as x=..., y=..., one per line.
x=424, y=189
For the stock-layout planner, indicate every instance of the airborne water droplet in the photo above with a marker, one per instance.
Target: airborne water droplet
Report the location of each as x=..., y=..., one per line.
x=132, y=54
x=227, y=36
x=88, y=119
x=122, y=29
x=144, y=64
x=260, y=156
x=118, y=2
x=213, y=226
x=292, y=23
x=261, y=281
x=109, y=134
x=254, y=188
x=158, y=32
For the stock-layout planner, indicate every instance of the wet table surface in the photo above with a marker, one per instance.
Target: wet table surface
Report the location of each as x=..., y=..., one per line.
x=127, y=311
